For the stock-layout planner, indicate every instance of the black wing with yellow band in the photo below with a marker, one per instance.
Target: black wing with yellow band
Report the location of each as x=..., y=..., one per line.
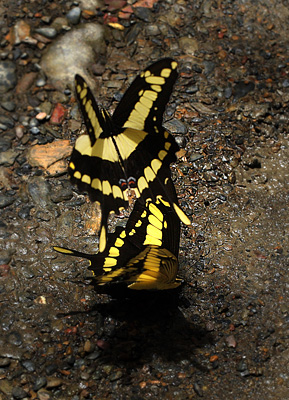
x=143, y=254
x=130, y=149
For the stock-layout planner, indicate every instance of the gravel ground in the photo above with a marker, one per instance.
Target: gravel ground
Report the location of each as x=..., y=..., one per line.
x=224, y=333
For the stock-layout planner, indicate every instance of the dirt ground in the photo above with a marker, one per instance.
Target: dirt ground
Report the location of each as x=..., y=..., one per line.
x=224, y=333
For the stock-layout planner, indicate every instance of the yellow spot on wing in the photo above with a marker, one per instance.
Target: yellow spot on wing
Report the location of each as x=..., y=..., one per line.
x=155, y=80
x=142, y=184
x=96, y=184
x=154, y=232
x=149, y=174
x=182, y=215
x=156, y=165
x=122, y=234
x=150, y=240
x=71, y=165
x=102, y=239
x=156, y=88
x=119, y=242
x=63, y=250
x=113, y=252
x=139, y=223
x=106, y=188
x=86, y=179
x=155, y=221
x=167, y=145
x=162, y=154
x=154, y=210
x=116, y=191
x=109, y=262
x=174, y=64
x=150, y=94
x=82, y=93
x=77, y=175
x=166, y=72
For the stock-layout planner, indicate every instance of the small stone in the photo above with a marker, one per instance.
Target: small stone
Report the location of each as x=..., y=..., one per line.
x=4, y=362
x=6, y=200
x=8, y=78
x=40, y=82
x=188, y=45
x=115, y=376
x=175, y=126
x=7, y=121
x=39, y=383
x=58, y=114
x=19, y=393
x=242, y=366
x=231, y=341
x=8, y=105
x=61, y=195
x=43, y=394
x=53, y=383
x=198, y=389
x=48, y=32
x=152, y=30
x=73, y=16
x=28, y=365
x=8, y=157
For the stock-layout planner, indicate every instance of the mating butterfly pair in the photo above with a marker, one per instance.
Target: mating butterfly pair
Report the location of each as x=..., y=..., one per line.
x=132, y=150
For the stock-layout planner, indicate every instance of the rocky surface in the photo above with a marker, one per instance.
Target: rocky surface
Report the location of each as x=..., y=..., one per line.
x=224, y=333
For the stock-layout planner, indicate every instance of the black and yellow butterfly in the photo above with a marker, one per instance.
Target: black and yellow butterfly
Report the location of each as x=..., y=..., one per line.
x=144, y=254
x=129, y=149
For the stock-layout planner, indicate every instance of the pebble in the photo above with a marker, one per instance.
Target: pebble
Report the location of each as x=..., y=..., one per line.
x=152, y=30
x=47, y=32
x=24, y=212
x=188, y=45
x=60, y=24
x=8, y=105
x=39, y=383
x=143, y=13
x=8, y=157
x=43, y=394
x=73, y=16
x=4, y=362
x=175, y=126
x=6, y=200
x=28, y=365
x=8, y=78
x=39, y=190
x=5, y=142
x=53, y=383
x=58, y=114
x=19, y=393
x=198, y=389
x=40, y=82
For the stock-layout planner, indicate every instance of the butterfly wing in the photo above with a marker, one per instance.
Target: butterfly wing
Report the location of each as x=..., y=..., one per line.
x=143, y=104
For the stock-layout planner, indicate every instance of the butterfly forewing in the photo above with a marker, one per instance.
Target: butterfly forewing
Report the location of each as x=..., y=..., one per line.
x=144, y=102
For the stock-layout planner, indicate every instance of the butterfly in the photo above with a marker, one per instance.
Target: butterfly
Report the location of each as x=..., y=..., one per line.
x=144, y=254
x=128, y=150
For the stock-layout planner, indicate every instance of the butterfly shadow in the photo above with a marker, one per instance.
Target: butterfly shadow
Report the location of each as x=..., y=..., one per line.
x=151, y=325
